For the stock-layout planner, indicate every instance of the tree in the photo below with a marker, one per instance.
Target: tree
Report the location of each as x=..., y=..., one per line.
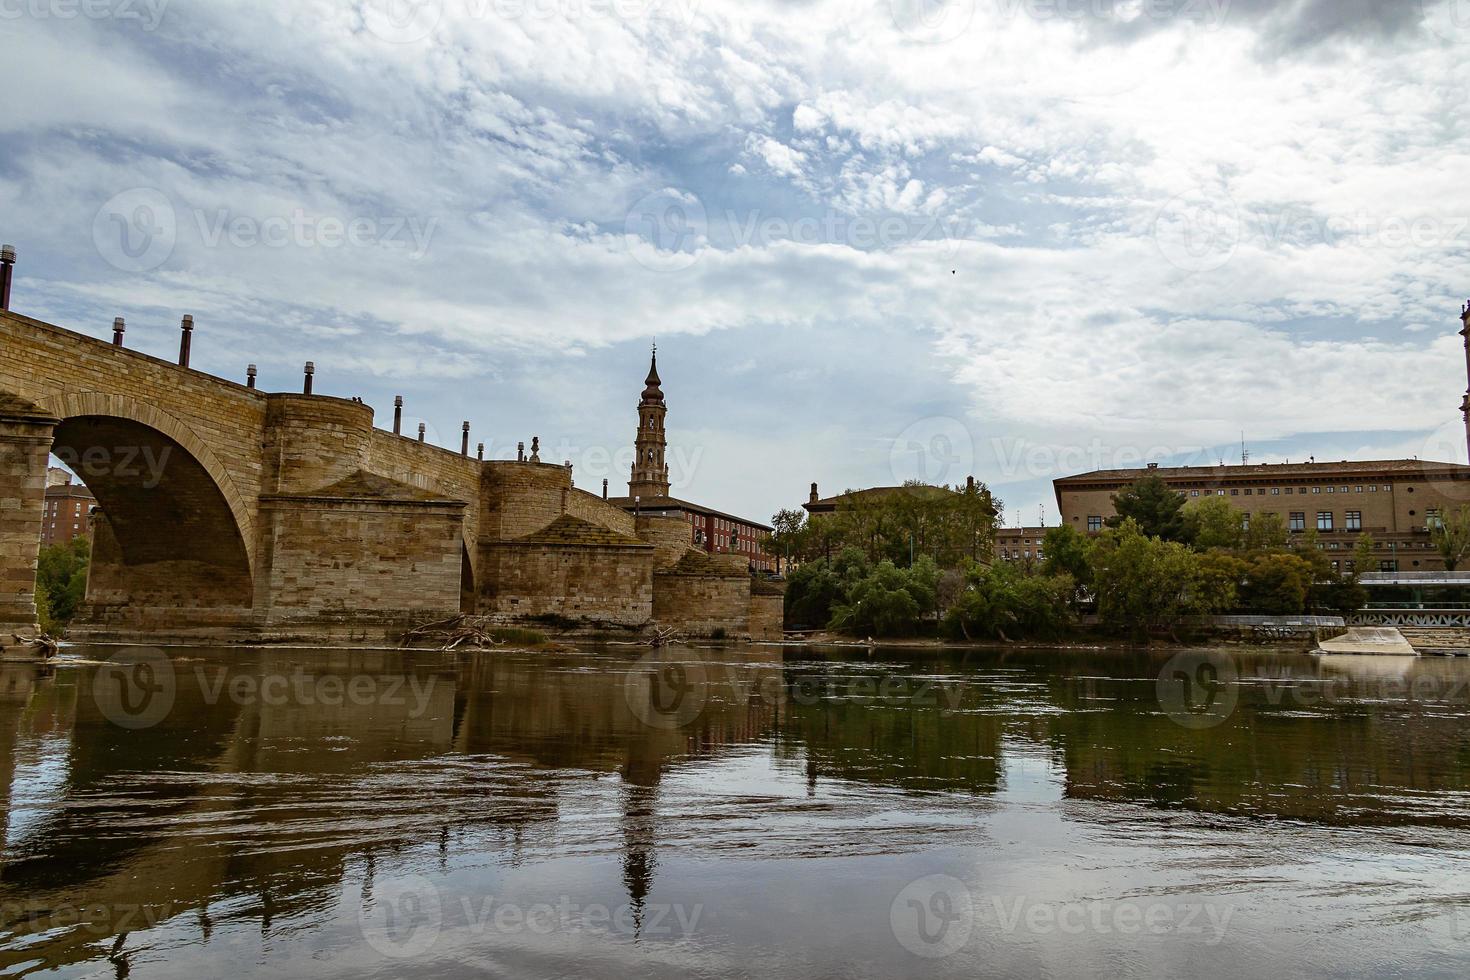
x=61, y=574
x=1066, y=555
x=1145, y=583
x=1156, y=509
x=788, y=527
x=1215, y=523
x=1277, y=584
x=1001, y=602
x=1451, y=536
x=880, y=604
x=1267, y=532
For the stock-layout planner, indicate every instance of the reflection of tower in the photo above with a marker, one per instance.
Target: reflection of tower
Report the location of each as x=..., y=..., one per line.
x=650, y=476
x=1465, y=404
x=640, y=794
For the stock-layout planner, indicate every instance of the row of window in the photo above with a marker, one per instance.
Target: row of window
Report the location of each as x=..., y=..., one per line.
x=1008, y=554
x=1288, y=491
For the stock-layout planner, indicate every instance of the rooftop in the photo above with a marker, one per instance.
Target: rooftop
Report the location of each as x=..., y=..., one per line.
x=674, y=503
x=1271, y=470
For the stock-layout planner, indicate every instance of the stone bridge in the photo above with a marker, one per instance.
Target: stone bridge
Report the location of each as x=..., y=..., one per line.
x=227, y=511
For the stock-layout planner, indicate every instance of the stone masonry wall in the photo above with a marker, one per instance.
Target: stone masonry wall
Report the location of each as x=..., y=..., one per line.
x=702, y=605
x=359, y=562
x=668, y=535
x=23, y=449
x=767, y=617
x=607, y=584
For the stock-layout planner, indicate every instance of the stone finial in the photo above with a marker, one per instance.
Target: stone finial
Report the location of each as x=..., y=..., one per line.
x=464, y=440
x=480, y=451
x=535, y=449
x=520, y=452
x=306, y=383
x=814, y=497
x=186, y=336
x=250, y=375
x=118, y=328
x=604, y=488
x=422, y=428
x=397, y=415
x=7, y=271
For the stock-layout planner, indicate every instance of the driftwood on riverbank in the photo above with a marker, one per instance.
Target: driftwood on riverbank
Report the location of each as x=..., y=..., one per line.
x=470, y=632
x=13, y=646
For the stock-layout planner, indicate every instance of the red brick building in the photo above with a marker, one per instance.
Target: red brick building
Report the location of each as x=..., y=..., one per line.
x=68, y=510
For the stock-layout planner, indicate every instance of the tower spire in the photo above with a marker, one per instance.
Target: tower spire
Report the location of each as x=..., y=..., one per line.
x=650, y=476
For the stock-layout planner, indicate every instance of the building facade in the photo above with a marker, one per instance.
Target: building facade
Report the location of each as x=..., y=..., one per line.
x=712, y=531
x=1021, y=544
x=68, y=509
x=1397, y=502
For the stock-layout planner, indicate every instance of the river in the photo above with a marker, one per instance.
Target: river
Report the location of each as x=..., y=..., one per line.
x=744, y=811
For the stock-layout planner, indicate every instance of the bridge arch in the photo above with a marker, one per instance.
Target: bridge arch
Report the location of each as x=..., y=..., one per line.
x=173, y=540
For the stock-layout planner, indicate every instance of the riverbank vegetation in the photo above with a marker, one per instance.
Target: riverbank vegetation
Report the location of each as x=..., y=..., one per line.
x=1158, y=564
x=61, y=583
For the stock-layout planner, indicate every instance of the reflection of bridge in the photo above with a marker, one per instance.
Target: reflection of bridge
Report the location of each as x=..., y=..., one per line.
x=230, y=509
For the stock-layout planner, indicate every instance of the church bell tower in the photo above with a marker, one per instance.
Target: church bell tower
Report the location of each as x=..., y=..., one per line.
x=650, y=476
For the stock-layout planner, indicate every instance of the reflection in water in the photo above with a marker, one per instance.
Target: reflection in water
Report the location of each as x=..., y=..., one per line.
x=363, y=811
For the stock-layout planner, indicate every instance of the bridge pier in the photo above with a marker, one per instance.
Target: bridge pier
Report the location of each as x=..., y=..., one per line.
x=25, y=442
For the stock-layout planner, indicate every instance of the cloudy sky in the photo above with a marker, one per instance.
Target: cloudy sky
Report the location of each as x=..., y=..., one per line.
x=874, y=240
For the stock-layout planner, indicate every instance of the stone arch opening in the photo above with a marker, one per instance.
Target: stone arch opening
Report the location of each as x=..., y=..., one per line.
x=168, y=549
x=466, y=581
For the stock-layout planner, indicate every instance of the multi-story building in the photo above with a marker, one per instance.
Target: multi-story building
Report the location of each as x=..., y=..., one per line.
x=1020, y=543
x=710, y=530
x=68, y=509
x=1395, y=501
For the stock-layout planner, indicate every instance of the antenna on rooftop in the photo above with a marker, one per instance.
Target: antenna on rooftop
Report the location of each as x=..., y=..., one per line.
x=1245, y=454
x=1043, y=515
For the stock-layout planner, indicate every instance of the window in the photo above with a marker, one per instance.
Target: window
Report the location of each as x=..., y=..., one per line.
x=1236, y=493
x=1373, y=488
x=1329, y=490
x=1354, y=520
x=1324, y=520
x=1298, y=521
x=1316, y=489
x=1094, y=523
x=1357, y=489
x=1289, y=491
x=1245, y=521
x=1432, y=518
x=1248, y=491
x=1342, y=489
x=1385, y=565
x=1194, y=493
x=1275, y=491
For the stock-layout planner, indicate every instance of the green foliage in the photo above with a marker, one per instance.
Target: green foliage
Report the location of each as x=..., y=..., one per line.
x=1267, y=533
x=1002, y=602
x=1452, y=537
x=1157, y=510
x=1066, y=554
x=788, y=534
x=882, y=603
x=952, y=526
x=1214, y=522
x=61, y=582
x=814, y=588
x=1277, y=584
x=1144, y=583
